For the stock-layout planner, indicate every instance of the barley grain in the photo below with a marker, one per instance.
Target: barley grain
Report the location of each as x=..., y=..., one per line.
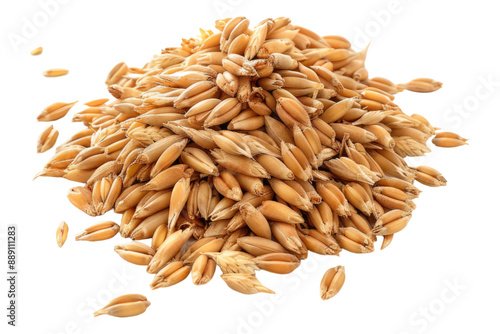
x=245, y=283
x=332, y=282
x=55, y=111
x=55, y=72
x=136, y=253
x=37, y=51
x=47, y=139
x=98, y=232
x=62, y=234
x=125, y=306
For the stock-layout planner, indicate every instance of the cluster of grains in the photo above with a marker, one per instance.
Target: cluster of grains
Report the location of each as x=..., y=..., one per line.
x=246, y=149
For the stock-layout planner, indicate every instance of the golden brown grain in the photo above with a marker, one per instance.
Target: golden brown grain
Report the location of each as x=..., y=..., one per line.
x=332, y=282
x=125, y=306
x=47, y=139
x=62, y=234
x=55, y=72
x=37, y=51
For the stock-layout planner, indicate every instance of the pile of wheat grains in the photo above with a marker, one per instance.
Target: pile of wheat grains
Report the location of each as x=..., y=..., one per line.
x=245, y=149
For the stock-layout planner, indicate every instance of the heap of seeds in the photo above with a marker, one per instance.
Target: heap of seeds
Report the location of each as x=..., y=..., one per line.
x=246, y=149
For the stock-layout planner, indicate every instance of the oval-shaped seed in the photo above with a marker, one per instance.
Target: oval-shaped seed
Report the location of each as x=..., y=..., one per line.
x=125, y=306
x=198, y=160
x=275, y=167
x=429, y=176
x=62, y=234
x=354, y=240
x=291, y=112
x=448, y=139
x=358, y=197
x=203, y=270
x=55, y=72
x=332, y=282
x=116, y=73
x=391, y=222
x=172, y=274
x=81, y=198
x=232, y=143
x=337, y=111
x=47, y=139
x=55, y=111
x=292, y=193
x=245, y=283
x=129, y=197
x=287, y=236
x=278, y=263
x=158, y=201
x=37, y=51
x=234, y=262
x=96, y=103
x=136, y=253
x=214, y=245
x=240, y=164
x=100, y=231
x=259, y=246
x=279, y=212
x=334, y=197
x=180, y=194
x=172, y=244
x=227, y=185
x=421, y=85
x=251, y=184
x=317, y=246
x=255, y=220
x=159, y=236
x=148, y=226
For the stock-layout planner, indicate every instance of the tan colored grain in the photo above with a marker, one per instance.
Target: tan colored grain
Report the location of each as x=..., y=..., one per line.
x=255, y=221
x=332, y=282
x=136, y=253
x=259, y=246
x=55, y=72
x=148, y=226
x=234, y=262
x=125, y=306
x=203, y=270
x=62, y=234
x=47, y=139
x=278, y=263
x=172, y=274
x=36, y=51
x=55, y=111
x=98, y=232
x=244, y=283
x=168, y=249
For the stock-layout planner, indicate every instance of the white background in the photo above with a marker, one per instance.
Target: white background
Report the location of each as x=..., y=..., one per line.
x=452, y=239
